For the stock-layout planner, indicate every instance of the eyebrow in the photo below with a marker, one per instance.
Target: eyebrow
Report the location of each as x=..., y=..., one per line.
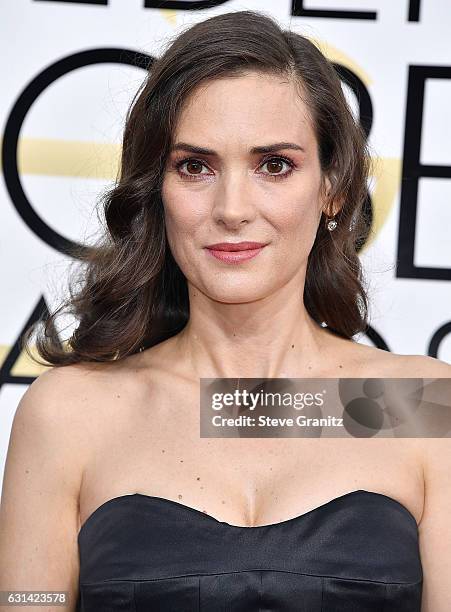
x=270, y=148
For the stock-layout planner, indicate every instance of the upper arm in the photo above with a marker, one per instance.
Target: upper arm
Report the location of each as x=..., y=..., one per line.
x=435, y=524
x=39, y=503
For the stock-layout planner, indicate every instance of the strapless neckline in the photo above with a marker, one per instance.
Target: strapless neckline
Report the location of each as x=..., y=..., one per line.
x=200, y=515
x=359, y=550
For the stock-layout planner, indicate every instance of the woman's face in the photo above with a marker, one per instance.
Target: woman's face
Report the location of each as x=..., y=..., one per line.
x=233, y=193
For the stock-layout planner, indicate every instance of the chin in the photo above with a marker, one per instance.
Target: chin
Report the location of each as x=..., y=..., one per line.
x=237, y=296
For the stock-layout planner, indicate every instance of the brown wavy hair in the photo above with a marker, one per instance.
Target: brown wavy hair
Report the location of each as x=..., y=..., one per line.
x=132, y=293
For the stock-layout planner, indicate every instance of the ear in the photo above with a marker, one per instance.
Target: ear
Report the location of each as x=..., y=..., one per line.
x=329, y=208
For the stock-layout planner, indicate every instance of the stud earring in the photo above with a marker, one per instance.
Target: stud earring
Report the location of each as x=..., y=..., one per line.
x=331, y=224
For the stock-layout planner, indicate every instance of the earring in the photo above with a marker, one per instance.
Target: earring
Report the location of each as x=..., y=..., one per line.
x=331, y=224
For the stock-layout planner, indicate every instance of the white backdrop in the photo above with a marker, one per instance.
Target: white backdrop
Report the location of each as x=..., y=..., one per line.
x=63, y=101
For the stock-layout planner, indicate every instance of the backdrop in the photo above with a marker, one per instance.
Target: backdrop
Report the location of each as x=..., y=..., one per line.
x=67, y=78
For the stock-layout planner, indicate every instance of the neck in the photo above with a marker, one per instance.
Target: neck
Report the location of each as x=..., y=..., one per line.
x=270, y=338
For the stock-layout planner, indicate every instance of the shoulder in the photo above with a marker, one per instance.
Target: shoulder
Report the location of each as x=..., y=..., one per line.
x=63, y=405
x=56, y=425
x=58, y=390
x=76, y=384
x=422, y=366
x=53, y=412
x=378, y=362
x=50, y=394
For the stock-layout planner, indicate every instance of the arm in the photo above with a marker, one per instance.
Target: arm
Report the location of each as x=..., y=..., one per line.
x=435, y=524
x=435, y=527
x=39, y=504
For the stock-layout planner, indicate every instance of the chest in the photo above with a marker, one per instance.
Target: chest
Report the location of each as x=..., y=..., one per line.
x=153, y=447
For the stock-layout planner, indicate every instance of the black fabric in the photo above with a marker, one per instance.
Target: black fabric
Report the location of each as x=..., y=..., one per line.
x=356, y=553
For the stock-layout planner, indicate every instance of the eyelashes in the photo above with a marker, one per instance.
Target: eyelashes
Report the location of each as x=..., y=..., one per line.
x=272, y=176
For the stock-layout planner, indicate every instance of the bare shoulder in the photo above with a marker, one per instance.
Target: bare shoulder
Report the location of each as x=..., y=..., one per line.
x=88, y=398
x=56, y=407
x=64, y=404
x=60, y=393
x=378, y=362
x=422, y=366
x=83, y=386
x=51, y=395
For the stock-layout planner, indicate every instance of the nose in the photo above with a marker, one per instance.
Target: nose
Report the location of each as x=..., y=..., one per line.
x=234, y=202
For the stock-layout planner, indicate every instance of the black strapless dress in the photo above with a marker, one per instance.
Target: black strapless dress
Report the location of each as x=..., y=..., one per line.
x=359, y=552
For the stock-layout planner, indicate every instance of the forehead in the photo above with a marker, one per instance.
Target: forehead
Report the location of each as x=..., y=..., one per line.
x=245, y=109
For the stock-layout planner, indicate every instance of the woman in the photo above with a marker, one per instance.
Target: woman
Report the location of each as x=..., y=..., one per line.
x=240, y=134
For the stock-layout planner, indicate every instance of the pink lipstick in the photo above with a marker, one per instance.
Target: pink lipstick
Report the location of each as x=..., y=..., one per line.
x=235, y=252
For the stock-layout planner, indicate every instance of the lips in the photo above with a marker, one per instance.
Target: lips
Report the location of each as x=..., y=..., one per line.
x=235, y=246
x=235, y=252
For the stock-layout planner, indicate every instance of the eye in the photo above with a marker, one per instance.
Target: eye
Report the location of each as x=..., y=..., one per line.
x=275, y=163
x=194, y=164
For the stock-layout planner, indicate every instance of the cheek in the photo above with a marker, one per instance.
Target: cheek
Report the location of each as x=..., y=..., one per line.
x=182, y=213
x=184, y=219
x=295, y=216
